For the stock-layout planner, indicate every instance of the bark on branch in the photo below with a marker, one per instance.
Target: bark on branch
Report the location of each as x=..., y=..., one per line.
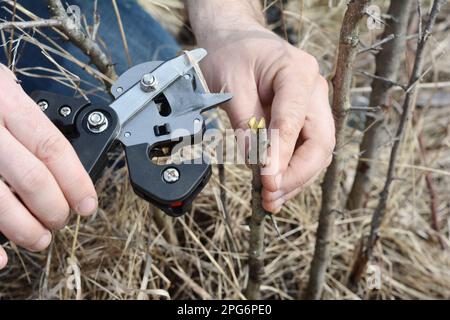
x=43, y=23
x=256, y=243
x=342, y=81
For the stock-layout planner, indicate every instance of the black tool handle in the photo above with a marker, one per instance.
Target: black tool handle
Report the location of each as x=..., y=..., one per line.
x=91, y=147
x=175, y=196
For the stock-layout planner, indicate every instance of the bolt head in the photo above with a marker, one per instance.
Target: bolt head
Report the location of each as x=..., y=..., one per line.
x=96, y=118
x=171, y=175
x=148, y=82
x=97, y=122
x=43, y=105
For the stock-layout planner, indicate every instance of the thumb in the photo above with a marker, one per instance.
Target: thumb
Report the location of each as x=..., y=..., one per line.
x=287, y=121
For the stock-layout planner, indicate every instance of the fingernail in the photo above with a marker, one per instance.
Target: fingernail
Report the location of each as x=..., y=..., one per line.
x=43, y=242
x=88, y=206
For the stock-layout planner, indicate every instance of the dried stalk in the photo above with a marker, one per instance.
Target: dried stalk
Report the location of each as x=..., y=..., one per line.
x=387, y=66
x=82, y=41
x=342, y=81
x=256, y=243
x=365, y=254
x=165, y=224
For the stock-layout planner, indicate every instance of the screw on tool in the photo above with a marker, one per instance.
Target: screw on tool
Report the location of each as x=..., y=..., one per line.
x=171, y=175
x=43, y=105
x=65, y=111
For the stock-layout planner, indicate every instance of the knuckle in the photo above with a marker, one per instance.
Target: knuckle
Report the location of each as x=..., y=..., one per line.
x=310, y=62
x=51, y=148
x=33, y=179
x=287, y=129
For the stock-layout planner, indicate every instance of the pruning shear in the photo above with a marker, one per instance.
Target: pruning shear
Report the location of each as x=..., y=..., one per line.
x=156, y=106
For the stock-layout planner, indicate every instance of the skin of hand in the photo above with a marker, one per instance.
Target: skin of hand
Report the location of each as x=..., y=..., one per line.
x=41, y=175
x=268, y=78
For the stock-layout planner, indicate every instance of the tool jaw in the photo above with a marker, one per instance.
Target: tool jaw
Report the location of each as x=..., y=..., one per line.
x=170, y=116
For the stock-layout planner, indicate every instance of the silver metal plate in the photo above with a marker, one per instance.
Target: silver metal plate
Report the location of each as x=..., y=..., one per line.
x=130, y=102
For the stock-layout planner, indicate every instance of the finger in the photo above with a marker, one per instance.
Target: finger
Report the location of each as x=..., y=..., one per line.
x=19, y=225
x=287, y=120
x=273, y=196
x=316, y=151
x=3, y=258
x=306, y=164
x=273, y=206
x=35, y=131
x=33, y=182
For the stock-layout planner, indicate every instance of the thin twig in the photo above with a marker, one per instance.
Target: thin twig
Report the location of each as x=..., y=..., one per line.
x=42, y=23
x=256, y=243
x=388, y=82
x=378, y=45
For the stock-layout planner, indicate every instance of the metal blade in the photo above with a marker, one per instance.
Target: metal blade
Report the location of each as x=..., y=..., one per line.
x=132, y=101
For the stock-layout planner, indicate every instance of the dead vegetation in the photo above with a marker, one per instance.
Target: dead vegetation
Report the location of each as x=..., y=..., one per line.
x=125, y=251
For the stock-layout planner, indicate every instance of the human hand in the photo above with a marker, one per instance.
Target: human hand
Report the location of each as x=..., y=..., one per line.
x=41, y=177
x=270, y=78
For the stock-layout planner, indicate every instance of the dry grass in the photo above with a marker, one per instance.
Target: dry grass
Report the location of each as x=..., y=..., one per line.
x=120, y=253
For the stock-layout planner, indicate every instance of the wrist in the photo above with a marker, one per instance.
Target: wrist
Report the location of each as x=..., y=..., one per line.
x=215, y=20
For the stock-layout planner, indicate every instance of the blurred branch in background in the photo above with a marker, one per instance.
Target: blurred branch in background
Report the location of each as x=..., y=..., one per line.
x=366, y=251
x=387, y=65
x=331, y=186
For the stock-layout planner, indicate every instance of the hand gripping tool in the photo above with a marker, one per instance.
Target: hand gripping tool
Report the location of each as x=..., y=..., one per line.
x=156, y=106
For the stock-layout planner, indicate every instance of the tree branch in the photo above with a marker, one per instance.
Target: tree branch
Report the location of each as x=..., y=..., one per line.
x=342, y=81
x=82, y=41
